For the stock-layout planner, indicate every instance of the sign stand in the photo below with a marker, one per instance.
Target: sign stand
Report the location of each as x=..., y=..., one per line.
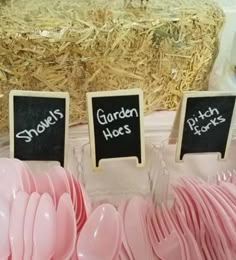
x=205, y=123
x=39, y=125
x=116, y=125
x=175, y=128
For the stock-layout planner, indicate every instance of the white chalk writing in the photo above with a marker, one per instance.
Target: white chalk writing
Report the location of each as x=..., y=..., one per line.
x=52, y=119
x=214, y=119
x=105, y=119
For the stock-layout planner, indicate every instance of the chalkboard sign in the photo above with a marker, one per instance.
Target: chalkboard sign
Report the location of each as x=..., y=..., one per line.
x=205, y=123
x=38, y=125
x=116, y=125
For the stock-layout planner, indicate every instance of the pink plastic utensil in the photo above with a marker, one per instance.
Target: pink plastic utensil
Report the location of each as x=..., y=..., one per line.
x=44, y=185
x=29, y=225
x=26, y=175
x=190, y=218
x=4, y=227
x=30, y=178
x=118, y=249
x=151, y=233
x=224, y=202
x=225, y=227
x=123, y=254
x=220, y=219
x=169, y=245
x=200, y=231
x=226, y=196
x=74, y=256
x=148, y=203
x=51, y=190
x=72, y=190
x=58, y=177
x=66, y=228
x=44, y=234
x=230, y=188
x=99, y=237
x=191, y=242
x=16, y=228
x=83, y=203
x=205, y=215
x=208, y=241
x=78, y=201
x=25, y=180
x=126, y=250
x=134, y=228
x=189, y=210
x=10, y=177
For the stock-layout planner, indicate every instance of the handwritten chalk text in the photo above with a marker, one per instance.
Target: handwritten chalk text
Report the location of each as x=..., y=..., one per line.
x=52, y=119
x=105, y=119
x=213, y=116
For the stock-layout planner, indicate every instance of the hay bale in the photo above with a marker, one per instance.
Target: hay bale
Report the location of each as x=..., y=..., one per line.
x=80, y=46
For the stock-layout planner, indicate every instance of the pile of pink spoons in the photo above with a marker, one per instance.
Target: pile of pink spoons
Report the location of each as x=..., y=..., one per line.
x=33, y=228
x=40, y=214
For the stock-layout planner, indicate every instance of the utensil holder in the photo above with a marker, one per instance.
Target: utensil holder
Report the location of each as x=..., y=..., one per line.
x=121, y=179
x=204, y=166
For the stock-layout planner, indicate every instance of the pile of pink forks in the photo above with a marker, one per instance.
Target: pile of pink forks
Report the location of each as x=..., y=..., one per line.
x=200, y=223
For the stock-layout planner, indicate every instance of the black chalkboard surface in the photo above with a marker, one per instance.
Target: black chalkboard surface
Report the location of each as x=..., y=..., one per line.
x=38, y=125
x=205, y=123
x=116, y=125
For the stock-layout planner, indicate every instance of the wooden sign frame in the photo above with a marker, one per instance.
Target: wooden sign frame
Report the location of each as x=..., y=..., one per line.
x=128, y=92
x=44, y=94
x=182, y=113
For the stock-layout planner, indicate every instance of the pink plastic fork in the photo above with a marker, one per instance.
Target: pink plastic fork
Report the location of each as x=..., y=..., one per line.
x=208, y=219
x=191, y=242
x=169, y=245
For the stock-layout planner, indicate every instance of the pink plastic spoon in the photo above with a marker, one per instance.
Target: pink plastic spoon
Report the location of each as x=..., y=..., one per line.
x=10, y=176
x=121, y=210
x=16, y=229
x=44, y=185
x=29, y=225
x=99, y=237
x=44, y=234
x=4, y=227
x=58, y=177
x=66, y=228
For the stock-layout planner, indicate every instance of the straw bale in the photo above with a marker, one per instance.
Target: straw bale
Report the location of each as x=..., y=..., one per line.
x=164, y=47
